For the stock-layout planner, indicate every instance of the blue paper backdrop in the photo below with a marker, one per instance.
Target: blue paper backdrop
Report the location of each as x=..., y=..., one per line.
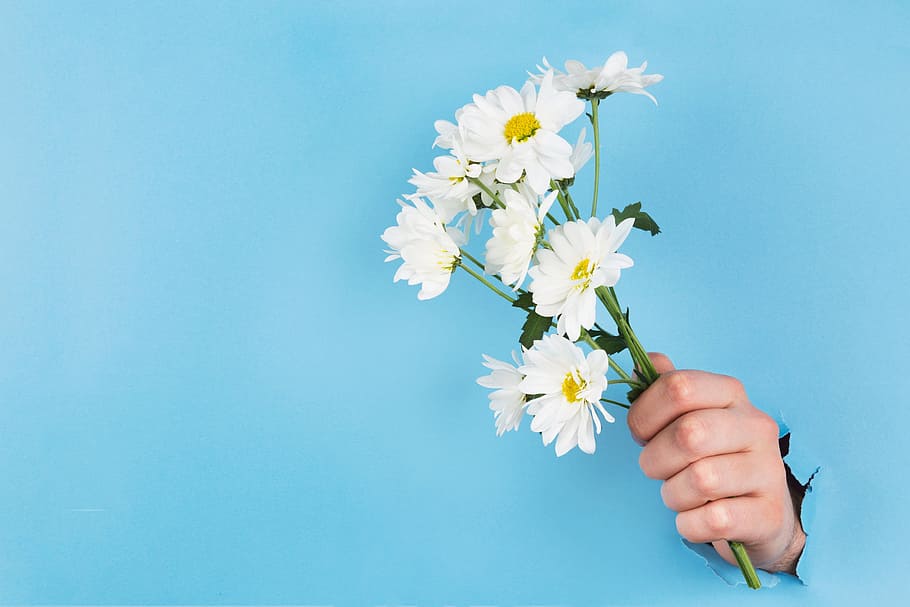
x=211, y=392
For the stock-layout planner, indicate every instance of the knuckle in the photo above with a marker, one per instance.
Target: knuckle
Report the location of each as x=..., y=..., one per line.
x=691, y=434
x=767, y=427
x=737, y=386
x=705, y=478
x=677, y=386
x=635, y=424
x=718, y=519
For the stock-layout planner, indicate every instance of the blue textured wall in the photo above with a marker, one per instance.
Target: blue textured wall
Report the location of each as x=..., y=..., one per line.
x=211, y=392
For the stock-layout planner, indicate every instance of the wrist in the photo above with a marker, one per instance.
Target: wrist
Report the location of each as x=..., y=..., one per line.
x=790, y=557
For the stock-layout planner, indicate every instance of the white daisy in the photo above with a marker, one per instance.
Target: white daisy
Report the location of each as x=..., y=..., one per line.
x=450, y=187
x=517, y=230
x=570, y=386
x=613, y=77
x=581, y=153
x=448, y=133
x=429, y=251
x=519, y=131
x=507, y=402
x=583, y=257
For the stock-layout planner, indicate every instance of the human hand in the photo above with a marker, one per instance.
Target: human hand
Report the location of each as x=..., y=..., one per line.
x=721, y=465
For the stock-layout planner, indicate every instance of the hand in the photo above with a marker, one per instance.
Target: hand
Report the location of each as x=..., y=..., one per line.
x=720, y=462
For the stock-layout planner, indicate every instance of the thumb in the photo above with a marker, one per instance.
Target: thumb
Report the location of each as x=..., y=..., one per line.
x=661, y=362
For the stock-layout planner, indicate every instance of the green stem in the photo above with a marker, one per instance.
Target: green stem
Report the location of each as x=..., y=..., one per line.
x=646, y=369
x=629, y=381
x=498, y=200
x=649, y=375
x=619, y=370
x=562, y=201
x=586, y=337
x=745, y=564
x=571, y=202
x=596, y=122
x=490, y=285
x=473, y=259
x=489, y=192
x=614, y=402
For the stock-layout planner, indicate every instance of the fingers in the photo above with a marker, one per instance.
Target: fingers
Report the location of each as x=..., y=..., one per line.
x=693, y=436
x=744, y=519
x=718, y=477
x=676, y=393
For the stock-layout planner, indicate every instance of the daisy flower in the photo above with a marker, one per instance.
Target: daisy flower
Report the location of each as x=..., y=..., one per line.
x=517, y=230
x=450, y=186
x=507, y=402
x=429, y=251
x=581, y=153
x=613, y=77
x=583, y=257
x=569, y=386
x=518, y=130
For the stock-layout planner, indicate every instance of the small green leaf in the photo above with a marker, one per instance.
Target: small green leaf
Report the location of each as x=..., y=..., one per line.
x=633, y=394
x=525, y=301
x=611, y=344
x=534, y=328
x=643, y=221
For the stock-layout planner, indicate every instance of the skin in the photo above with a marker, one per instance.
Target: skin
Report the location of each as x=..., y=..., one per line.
x=720, y=462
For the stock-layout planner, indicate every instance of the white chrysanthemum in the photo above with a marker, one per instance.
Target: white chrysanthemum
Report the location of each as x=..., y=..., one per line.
x=581, y=153
x=450, y=187
x=517, y=230
x=507, y=402
x=613, y=77
x=583, y=257
x=570, y=386
x=448, y=133
x=519, y=131
x=429, y=251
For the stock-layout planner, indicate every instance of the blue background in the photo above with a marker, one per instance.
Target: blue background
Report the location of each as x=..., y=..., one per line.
x=211, y=392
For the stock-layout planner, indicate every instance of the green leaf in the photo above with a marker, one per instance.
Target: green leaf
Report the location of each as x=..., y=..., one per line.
x=643, y=221
x=611, y=344
x=633, y=394
x=525, y=301
x=534, y=328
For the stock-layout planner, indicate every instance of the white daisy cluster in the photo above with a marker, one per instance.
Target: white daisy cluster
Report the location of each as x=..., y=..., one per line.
x=505, y=155
x=558, y=385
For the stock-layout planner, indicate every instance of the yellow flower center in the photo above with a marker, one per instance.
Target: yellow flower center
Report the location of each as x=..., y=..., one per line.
x=521, y=127
x=571, y=387
x=447, y=261
x=583, y=272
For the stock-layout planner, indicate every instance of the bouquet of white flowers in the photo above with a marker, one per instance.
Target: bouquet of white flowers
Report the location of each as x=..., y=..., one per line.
x=507, y=160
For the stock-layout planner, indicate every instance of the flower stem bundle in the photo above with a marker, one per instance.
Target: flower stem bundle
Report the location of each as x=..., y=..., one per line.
x=508, y=167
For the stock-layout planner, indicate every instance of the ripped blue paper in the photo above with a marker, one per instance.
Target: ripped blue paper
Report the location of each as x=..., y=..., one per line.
x=805, y=472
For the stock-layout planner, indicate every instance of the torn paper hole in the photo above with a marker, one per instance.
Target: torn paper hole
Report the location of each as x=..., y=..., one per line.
x=801, y=481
